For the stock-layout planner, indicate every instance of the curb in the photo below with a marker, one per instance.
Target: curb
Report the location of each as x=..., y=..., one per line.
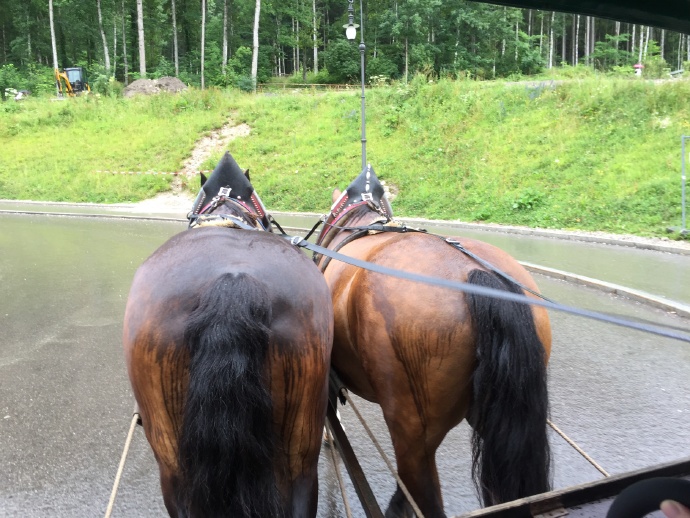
x=507, y=229
x=526, y=231
x=608, y=287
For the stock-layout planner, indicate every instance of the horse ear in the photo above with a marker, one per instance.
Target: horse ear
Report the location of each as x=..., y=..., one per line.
x=246, y=173
x=336, y=194
x=203, y=179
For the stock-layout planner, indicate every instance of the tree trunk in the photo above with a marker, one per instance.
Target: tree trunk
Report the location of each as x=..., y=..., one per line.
x=517, y=38
x=52, y=40
x=576, y=38
x=304, y=66
x=106, y=53
x=124, y=43
x=4, y=44
x=407, y=61
x=298, y=44
x=587, y=40
x=632, y=39
x=541, y=35
x=646, y=43
x=593, y=36
x=316, y=46
x=529, y=23
x=28, y=35
x=639, y=57
x=142, y=50
x=176, y=55
x=114, y=44
x=663, y=42
x=503, y=42
x=255, y=44
x=564, y=59
x=551, y=39
x=203, y=40
x=224, y=64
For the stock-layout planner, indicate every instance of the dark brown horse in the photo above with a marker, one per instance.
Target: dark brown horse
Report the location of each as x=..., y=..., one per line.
x=227, y=337
x=431, y=357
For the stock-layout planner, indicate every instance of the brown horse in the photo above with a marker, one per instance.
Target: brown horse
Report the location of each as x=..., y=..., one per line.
x=227, y=336
x=431, y=357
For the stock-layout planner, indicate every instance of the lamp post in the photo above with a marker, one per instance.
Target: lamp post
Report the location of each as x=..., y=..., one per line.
x=351, y=34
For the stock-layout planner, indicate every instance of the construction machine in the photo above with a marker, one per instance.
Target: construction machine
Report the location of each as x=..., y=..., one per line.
x=72, y=81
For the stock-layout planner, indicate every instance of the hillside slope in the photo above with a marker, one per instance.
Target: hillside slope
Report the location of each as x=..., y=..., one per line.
x=596, y=154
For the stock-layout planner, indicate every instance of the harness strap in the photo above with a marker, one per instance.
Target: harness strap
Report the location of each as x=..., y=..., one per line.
x=349, y=239
x=402, y=229
x=227, y=220
x=491, y=267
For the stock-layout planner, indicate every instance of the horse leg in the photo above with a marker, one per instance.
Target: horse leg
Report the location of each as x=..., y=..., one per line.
x=305, y=494
x=417, y=470
x=169, y=488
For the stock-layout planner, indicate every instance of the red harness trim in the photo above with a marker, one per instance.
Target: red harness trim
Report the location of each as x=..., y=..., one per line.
x=328, y=225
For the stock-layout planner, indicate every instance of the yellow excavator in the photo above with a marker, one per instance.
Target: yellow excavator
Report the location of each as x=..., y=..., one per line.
x=72, y=81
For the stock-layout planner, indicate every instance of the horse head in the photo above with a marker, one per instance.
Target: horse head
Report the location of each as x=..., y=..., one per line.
x=362, y=203
x=227, y=198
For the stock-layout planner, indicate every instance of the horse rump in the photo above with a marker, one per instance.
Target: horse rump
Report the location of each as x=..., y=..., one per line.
x=226, y=448
x=510, y=449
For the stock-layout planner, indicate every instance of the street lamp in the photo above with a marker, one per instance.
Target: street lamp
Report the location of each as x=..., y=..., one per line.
x=351, y=34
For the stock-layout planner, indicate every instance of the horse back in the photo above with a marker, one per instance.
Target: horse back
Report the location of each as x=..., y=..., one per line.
x=167, y=288
x=383, y=321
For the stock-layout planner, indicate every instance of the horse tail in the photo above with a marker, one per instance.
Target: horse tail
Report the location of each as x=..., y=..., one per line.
x=226, y=447
x=510, y=449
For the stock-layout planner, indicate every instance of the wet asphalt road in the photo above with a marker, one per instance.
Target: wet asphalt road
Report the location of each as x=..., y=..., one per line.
x=65, y=401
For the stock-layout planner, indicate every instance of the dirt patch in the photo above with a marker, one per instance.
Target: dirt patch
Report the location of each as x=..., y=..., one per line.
x=390, y=189
x=179, y=200
x=154, y=86
x=216, y=141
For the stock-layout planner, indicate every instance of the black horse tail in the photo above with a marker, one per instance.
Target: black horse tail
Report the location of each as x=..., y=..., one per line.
x=226, y=447
x=510, y=449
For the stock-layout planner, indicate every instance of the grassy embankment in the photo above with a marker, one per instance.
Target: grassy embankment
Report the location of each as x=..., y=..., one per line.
x=592, y=154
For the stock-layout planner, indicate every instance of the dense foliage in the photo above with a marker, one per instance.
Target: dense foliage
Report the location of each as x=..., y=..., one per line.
x=449, y=38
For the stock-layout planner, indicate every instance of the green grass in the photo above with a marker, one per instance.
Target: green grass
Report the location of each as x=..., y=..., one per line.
x=51, y=150
x=592, y=154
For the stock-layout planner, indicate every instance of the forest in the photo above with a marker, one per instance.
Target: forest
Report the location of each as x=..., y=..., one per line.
x=242, y=43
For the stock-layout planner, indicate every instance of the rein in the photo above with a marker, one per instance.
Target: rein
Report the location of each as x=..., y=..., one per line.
x=488, y=292
x=386, y=224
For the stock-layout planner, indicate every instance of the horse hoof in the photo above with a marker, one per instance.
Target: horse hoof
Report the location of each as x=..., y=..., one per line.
x=327, y=439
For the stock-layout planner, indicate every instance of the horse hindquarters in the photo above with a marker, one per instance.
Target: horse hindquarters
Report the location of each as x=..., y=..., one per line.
x=226, y=442
x=511, y=455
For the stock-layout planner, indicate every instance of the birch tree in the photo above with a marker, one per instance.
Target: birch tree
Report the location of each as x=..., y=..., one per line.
x=142, y=49
x=255, y=44
x=124, y=43
x=203, y=39
x=106, y=53
x=224, y=64
x=52, y=40
x=176, y=55
x=316, y=46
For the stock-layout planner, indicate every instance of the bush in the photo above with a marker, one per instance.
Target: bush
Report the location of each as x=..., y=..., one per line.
x=655, y=67
x=342, y=61
x=10, y=78
x=381, y=66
